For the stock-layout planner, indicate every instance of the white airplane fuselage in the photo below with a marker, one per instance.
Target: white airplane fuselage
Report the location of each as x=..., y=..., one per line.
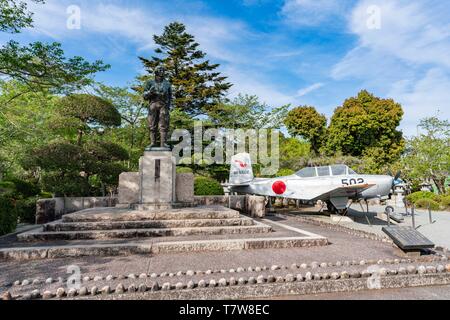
x=312, y=188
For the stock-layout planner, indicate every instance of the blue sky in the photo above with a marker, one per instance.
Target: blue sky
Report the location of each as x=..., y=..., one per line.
x=315, y=52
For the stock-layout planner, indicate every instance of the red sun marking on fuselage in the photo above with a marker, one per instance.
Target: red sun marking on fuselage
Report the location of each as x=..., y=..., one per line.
x=279, y=187
x=241, y=163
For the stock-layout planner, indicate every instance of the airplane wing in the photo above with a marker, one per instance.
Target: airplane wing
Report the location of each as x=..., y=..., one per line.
x=345, y=191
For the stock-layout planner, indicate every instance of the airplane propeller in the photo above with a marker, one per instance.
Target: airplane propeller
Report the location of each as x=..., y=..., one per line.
x=396, y=178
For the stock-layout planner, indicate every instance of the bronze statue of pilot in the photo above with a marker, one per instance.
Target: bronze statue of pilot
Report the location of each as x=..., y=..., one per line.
x=158, y=93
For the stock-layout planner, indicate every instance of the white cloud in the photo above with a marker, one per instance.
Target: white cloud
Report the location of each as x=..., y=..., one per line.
x=312, y=12
x=406, y=59
x=138, y=25
x=309, y=89
x=428, y=96
x=251, y=83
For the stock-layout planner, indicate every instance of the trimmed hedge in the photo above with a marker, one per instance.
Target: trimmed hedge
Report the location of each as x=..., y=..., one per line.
x=184, y=170
x=8, y=215
x=26, y=210
x=416, y=196
x=427, y=203
x=207, y=187
x=445, y=201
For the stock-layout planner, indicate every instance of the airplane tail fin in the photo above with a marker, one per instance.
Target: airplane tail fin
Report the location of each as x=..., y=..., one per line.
x=241, y=169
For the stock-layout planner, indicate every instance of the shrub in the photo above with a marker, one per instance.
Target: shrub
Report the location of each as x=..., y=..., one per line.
x=26, y=210
x=7, y=187
x=184, y=170
x=285, y=172
x=445, y=202
x=46, y=195
x=8, y=215
x=416, y=196
x=427, y=203
x=69, y=185
x=207, y=187
x=24, y=188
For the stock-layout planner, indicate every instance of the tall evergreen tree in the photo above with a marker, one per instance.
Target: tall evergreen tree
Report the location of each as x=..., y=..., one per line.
x=197, y=86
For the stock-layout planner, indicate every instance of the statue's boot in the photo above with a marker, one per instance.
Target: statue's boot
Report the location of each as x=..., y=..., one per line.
x=164, y=140
x=153, y=143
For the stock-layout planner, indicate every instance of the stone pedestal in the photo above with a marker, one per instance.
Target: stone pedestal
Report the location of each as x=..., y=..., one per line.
x=129, y=188
x=157, y=172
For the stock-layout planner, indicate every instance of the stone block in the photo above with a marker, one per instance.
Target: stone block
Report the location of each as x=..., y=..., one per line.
x=256, y=206
x=157, y=177
x=45, y=211
x=129, y=188
x=185, y=187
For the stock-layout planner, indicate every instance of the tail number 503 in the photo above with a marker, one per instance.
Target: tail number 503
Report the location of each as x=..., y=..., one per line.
x=350, y=182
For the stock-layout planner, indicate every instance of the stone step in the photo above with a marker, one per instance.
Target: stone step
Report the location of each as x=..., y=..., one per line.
x=142, y=233
x=114, y=214
x=150, y=224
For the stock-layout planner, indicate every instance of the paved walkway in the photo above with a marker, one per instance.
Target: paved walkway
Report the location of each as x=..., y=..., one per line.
x=438, y=231
x=419, y=293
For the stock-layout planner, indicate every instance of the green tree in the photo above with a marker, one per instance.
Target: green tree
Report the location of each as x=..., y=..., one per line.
x=428, y=155
x=366, y=126
x=307, y=123
x=294, y=153
x=84, y=112
x=39, y=66
x=14, y=15
x=246, y=112
x=197, y=85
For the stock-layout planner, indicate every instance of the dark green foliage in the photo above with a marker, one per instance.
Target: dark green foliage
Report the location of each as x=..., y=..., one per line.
x=68, y=167
x=204, y=186
x=7, y=188
x=197, y=85
x=8, y=215
x=69, y=184
x=24, y=189
x=90, y=109
x=44, y=66
x=427, y=203
x=56, y=156
x=26, y=210
x=106, y=151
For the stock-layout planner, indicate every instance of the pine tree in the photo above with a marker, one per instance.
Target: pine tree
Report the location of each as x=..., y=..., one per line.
x=197, y=86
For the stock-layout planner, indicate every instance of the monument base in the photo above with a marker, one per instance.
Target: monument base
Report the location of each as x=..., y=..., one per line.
x=160, y=206
x=156, y=186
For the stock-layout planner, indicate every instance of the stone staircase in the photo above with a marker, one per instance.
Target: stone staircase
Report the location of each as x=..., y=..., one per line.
x=114, y=223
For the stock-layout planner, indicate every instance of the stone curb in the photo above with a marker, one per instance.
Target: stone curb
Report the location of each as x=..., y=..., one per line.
x=36, y=253
x=241, y=270
x=308, y=284
x=266, y=286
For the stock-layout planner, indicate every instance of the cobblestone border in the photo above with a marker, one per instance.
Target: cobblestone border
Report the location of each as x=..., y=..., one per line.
x=234, y=271
x=262, y=286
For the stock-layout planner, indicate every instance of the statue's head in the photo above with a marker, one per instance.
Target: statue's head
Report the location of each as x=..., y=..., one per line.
x=160, y=72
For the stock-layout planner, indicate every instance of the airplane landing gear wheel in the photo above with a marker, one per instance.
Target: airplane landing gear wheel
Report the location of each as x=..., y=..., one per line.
x=331, y=208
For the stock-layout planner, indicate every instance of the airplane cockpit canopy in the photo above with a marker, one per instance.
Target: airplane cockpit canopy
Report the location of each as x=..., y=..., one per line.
x=328, y=171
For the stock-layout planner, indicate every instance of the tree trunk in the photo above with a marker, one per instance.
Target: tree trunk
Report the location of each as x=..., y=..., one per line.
x=80, y=137
x=440, y=184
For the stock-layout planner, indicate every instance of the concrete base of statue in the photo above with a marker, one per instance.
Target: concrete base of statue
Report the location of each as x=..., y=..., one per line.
x=156, y=186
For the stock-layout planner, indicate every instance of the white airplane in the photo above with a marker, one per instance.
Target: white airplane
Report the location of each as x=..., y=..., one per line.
x=335, y=185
